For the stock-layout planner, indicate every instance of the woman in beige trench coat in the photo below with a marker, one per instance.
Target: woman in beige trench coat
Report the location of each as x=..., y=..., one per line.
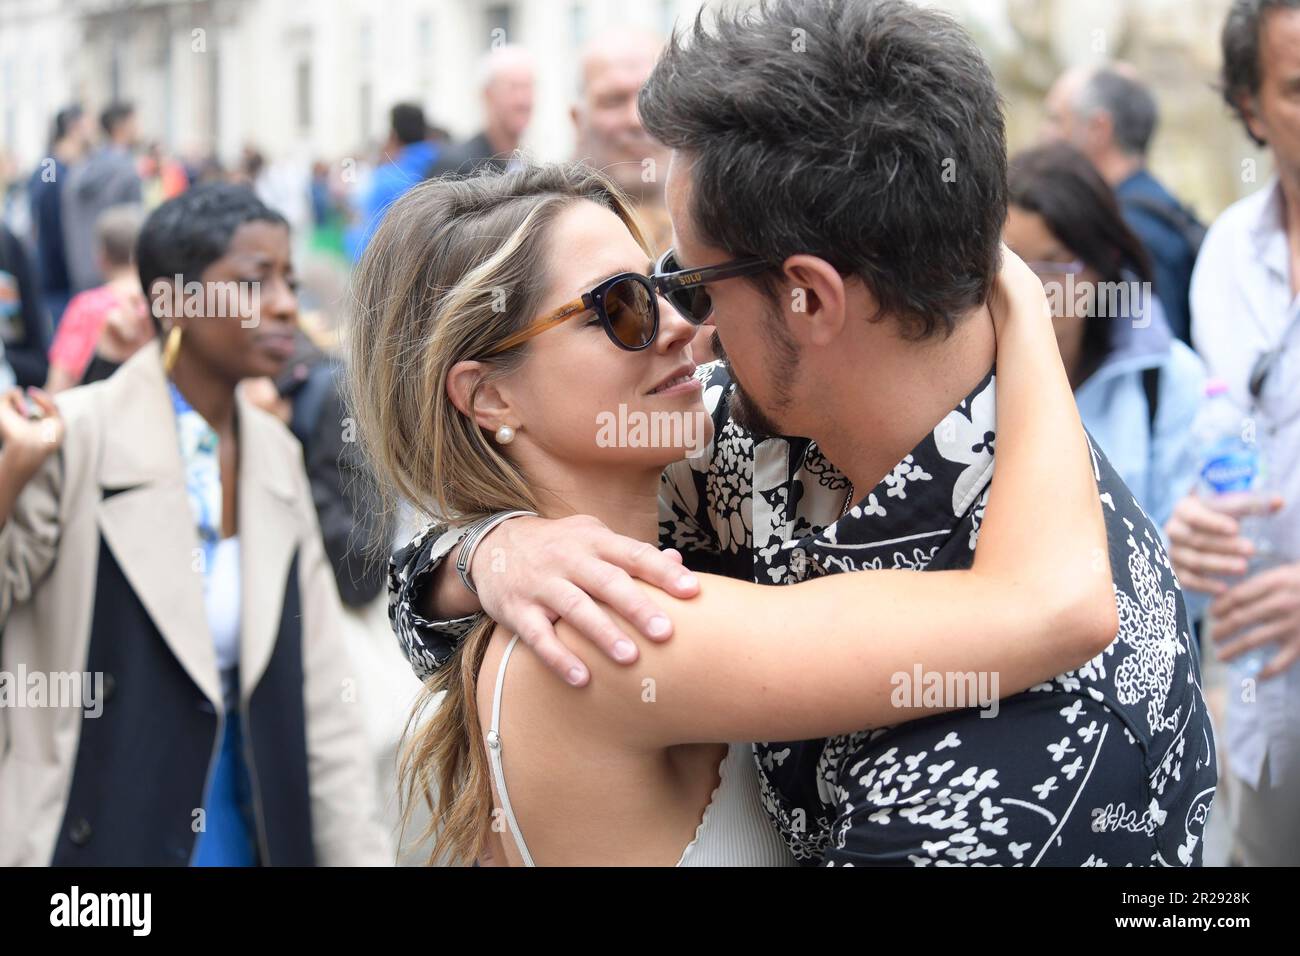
x=176, y=685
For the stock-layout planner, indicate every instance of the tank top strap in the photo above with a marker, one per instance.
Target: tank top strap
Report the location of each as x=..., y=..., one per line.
x=494, y=757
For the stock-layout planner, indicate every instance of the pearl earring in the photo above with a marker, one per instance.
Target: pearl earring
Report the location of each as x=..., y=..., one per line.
x=505, y=435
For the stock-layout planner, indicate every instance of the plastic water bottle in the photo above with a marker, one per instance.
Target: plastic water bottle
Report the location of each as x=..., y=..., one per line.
x=1234, y=468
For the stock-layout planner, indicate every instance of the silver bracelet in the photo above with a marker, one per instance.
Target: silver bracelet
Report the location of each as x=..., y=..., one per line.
x=474, y=537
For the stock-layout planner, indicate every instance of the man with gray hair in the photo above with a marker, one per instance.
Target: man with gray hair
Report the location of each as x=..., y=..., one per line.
x=608, y=134
x=507, y=84
x=1110, y=115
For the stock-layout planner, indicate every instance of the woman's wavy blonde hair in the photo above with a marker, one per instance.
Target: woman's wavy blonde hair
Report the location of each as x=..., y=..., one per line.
x=455, y=268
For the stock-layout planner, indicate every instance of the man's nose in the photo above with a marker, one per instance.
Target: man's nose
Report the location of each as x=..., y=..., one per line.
x=631, y=116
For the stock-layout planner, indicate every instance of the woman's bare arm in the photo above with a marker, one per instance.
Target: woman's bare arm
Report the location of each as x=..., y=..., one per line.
x=817, y=658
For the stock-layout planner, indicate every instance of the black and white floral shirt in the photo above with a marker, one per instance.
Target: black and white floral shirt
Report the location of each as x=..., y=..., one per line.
x=1110, y=764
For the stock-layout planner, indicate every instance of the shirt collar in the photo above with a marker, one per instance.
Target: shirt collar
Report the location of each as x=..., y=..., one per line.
x=197, y=437
x=1267, y=232
x=932, y=488
x=1137, y=179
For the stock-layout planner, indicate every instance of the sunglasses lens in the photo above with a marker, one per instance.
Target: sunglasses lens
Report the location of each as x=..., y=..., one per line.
x=693, y=304
x=631, y=313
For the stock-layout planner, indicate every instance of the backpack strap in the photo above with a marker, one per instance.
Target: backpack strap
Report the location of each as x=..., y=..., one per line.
x=1176, y=216
x=1151, y=385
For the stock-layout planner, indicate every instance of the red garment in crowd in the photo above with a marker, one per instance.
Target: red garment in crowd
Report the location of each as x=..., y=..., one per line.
x=83, y=320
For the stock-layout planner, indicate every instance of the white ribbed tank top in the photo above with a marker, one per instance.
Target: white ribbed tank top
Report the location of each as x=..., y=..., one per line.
x=734, y=830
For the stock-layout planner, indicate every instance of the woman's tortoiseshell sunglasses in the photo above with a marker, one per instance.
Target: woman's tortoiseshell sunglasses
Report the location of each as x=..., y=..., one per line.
x=627, y=304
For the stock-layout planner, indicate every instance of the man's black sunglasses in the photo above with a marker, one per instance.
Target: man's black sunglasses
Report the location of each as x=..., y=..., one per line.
x=685, y=288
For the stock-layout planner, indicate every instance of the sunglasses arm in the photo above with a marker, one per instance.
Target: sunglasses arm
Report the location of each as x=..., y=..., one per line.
x=558, y=317
x=669, y=282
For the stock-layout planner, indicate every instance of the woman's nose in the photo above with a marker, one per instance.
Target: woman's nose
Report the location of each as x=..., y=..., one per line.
x=283, y=302
x=674, y=331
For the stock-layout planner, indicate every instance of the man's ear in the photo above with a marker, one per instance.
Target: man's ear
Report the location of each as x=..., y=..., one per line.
x=1100, y=131
x=1246, y=103
x=817, y=303
x=489, y=408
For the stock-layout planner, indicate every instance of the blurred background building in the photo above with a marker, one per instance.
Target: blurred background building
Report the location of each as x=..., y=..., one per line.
x=316, y=79
x=306, y=81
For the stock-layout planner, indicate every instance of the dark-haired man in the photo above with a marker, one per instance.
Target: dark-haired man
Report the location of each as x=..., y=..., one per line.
x=45, y=195
x=507, y=79
x=857, y=146
x=108, y=177
x=1246, y=307
x=408, y=153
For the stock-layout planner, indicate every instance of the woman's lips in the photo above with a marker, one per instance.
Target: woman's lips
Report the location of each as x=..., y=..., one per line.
x=682, y=386
x=280, y=346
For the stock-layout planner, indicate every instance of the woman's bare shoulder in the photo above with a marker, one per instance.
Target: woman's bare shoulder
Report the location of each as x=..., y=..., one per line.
x=529, y=690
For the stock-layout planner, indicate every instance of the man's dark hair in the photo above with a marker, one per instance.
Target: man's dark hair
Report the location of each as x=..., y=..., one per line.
x=407, y=121
x=1129, y=102
x=868, y=133
x=1241, y=35
x=114, y=115
x=185, y=235
x=63, y=121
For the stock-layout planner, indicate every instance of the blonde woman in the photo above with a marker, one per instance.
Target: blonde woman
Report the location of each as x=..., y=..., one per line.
x=496, y=318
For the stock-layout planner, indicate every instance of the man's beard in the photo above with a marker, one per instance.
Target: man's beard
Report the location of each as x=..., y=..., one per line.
x=744, y=410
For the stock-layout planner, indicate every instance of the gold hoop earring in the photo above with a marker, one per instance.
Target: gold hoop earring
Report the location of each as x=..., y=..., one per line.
x=171, y=348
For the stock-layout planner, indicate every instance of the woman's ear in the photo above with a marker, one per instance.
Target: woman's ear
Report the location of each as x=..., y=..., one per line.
x=166, y=303
x=490, y=408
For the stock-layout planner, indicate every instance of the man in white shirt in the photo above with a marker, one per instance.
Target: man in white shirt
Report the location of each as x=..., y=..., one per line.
x=1245, y=304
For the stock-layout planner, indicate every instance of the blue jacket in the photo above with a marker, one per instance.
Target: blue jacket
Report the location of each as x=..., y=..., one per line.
x=44, y=193
x=387, y=184
x=1171, y=256
x=1159, y=463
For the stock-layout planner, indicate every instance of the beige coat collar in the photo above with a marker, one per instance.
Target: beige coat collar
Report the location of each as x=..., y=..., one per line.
x=146, y=520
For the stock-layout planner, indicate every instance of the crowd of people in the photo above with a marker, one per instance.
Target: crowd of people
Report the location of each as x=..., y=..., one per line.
x=202, y=481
